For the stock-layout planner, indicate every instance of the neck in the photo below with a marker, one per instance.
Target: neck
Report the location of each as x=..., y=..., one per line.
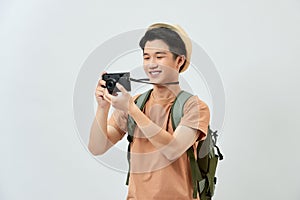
x=164, y=91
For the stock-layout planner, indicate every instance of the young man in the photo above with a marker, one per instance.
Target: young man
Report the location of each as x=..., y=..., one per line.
x=159, y=166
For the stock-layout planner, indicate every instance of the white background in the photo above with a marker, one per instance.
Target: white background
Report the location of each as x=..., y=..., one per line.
x=254, y=44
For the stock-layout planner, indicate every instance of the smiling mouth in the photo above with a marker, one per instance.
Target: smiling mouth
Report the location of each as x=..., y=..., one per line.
x=154, y=72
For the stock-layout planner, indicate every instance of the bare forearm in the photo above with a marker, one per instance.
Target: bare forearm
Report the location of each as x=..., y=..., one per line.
x=98, y=141
x=156, y=134
x=170, y=145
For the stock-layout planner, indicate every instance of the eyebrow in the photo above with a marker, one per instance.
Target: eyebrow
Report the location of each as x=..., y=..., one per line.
x=158, y=52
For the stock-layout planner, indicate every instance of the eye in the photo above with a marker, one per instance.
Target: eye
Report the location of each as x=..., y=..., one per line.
x=146, y=58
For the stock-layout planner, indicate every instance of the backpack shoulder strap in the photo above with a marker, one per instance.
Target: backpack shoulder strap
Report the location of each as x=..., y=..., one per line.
x=176, y=115
x=177, y=107
x=140, y=101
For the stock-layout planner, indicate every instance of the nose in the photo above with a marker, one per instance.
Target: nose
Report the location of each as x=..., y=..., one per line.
x=152, y=64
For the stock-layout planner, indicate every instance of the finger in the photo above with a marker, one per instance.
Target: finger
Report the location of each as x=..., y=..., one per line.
x=107, y=95
x=106, y=99
x=99, y=93
x=100, y=89
x=104, y=72
x=102, y=83
x=121, y=88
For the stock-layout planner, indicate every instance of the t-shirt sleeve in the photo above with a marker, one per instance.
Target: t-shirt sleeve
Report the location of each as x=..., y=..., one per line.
x=118, y=120
x=196, y=115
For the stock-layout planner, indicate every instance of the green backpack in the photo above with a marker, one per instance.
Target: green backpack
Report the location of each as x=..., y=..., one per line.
x=203, y=168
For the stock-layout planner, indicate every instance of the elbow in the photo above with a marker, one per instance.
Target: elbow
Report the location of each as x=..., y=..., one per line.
x=95, y=151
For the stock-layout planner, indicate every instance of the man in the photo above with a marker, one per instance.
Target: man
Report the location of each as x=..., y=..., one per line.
x=159, y=166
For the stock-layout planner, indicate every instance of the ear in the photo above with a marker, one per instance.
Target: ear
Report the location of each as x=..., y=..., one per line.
x=179, y=61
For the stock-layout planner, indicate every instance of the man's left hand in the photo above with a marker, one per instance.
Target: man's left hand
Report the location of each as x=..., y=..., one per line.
x=120, y=102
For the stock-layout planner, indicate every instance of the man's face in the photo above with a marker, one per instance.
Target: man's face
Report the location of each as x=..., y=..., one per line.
x=159, y=63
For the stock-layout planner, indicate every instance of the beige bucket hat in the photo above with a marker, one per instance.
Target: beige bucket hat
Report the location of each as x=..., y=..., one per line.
x=185, y=38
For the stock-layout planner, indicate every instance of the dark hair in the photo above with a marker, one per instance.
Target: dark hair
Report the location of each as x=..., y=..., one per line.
x=170, y=37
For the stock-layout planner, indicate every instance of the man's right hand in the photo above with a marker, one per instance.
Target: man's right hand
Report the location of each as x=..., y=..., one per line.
x=99, y=93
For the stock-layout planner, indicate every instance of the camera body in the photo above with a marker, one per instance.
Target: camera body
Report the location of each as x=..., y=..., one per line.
x=113, y=78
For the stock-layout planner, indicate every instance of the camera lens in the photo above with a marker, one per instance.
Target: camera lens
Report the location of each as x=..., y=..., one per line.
x=110, y=85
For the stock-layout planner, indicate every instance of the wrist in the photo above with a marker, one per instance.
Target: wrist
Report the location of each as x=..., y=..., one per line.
x=102, y=110
x=132, y=108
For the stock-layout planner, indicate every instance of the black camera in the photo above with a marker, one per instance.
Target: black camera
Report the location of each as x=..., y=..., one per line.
x=113, y=78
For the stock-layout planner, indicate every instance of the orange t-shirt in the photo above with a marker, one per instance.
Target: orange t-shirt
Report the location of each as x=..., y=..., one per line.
x=152, y=175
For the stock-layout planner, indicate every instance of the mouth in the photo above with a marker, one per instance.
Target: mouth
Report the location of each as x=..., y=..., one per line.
x=154, y=73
